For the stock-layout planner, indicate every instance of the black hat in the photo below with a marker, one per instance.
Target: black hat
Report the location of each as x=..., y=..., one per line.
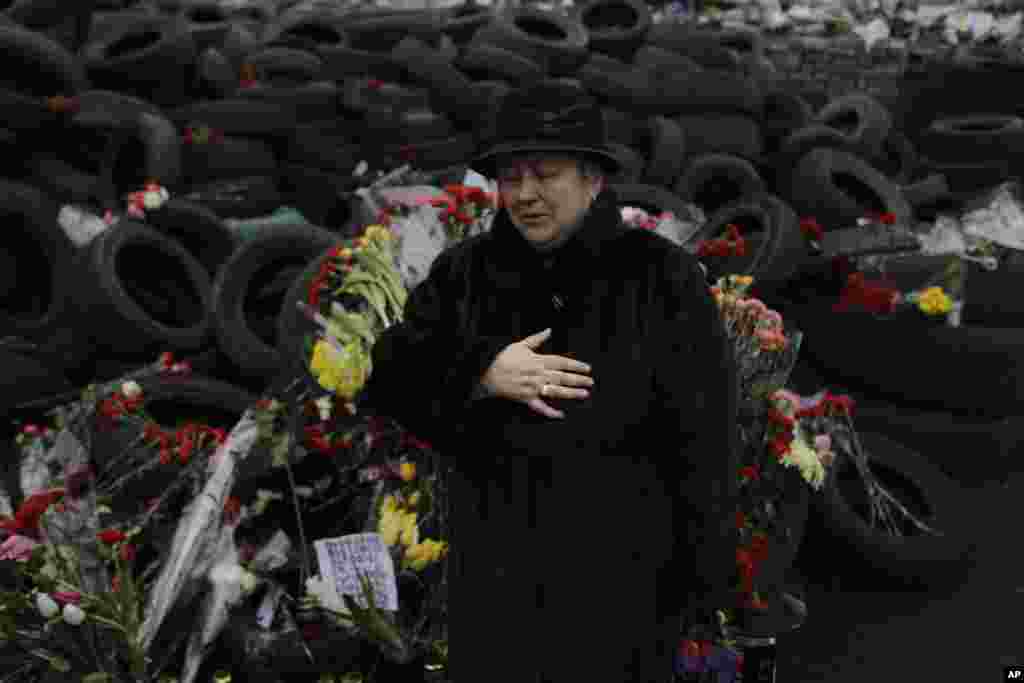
x=553, y=115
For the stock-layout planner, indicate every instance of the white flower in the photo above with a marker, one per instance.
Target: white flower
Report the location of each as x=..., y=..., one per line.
x=47, y=606
x=248, y=581
x=73, y=614
x=806, y=458
x=326, y=595
x=131, y=389
x=152, y=199
x=323, y=404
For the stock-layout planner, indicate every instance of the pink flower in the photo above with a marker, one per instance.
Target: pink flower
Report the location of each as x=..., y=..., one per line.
x=135, y=211
x=787, y=396
x=18, y=548
x=67, y=597
x=31, y=430
x=822, y=443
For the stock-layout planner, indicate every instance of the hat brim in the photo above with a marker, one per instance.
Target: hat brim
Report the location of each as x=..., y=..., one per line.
x=484, y=164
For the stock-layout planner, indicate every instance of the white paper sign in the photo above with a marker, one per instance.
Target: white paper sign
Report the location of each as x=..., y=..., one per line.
x=342, y=561
x=80, y=226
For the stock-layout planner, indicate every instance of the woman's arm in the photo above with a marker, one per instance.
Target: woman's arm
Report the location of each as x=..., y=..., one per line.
x=427, y=368
x=698, y=383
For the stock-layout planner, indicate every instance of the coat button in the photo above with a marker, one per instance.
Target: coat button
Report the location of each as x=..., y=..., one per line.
x=557, y=302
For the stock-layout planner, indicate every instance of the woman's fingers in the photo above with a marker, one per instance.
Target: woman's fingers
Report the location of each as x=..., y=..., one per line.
x=539, y=406
x=565, y=364
x=571, y=379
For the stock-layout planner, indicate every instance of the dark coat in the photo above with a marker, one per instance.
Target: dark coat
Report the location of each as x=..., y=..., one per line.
x=576, y=543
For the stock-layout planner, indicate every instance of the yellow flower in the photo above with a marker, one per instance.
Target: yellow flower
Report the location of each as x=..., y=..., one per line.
x=345, y=253
x=363, y=242
x=410, y=529
x=414, y=499
x=344, y=373
x=417, y=557
x=390, y=527
x=378, y=232
x=407, y=470
x=389, y=504
x=325, y=365
x=933, y=301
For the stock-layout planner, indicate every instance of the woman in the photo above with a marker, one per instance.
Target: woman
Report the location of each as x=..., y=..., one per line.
x=576, y=376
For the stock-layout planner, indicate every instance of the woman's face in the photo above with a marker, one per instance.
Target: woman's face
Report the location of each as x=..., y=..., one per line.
x=545, y=196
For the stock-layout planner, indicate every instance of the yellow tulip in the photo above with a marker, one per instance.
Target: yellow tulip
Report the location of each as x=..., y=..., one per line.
x=407, y=470
x=389, y=504
x=390, y=527
x=410, y=534
x=933, y=301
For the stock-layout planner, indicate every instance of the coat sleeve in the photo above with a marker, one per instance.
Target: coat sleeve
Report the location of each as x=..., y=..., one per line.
x=700, y=409
x=426, y=368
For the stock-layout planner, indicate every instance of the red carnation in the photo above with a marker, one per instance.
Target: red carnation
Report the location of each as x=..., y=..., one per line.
x=111, y=536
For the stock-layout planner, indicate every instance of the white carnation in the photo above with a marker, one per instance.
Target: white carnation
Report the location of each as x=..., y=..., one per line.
x=131, y=389
x=47, y=606
x=73, y=614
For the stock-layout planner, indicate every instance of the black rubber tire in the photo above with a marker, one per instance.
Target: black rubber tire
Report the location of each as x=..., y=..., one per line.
x=621, y=126
x=431, y=155
x=898, y=158
x=197, y=229
x=616, y=27
x=410, y=126
x=784, y=114
x=132, y=260
x=239, y=43
x=617, y=84
x=838, y=188
x=321, y=196
x=659, y=59
x=714, y=180
x=28, y=116
x=307, y=102
x=148, y=147
x=250, y=117
x=327, y=146
x=775, y=249
x=168, y=400
x=39, y=301
x=247, y=197
x=366, y=97
x=148, y=59
x=288, y=65
x=450, y=90
x=481, y=61
x=488, y=95
x=531, y=32
x=115, y=104
x=26, y=379
x=295, y=245
x=462, y=22
x=862, y=120
x=738, y=136
x=943, y=437
x=208, y=22
x=309, y=32
x=632, y=165
x=989, y=299
x=650, y=198
x=65, y=184
x=915, y=560
x=706, y=92
x=383, y=30
x=231, y=157
x=973, y=139
x=36, y=65
x=666, y=149
x=796, y=146
x=969, y=180
x=697, y=45
x=927, y=191
x=980, y=362
x=216, y=76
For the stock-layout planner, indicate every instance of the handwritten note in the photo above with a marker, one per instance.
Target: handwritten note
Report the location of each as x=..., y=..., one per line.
x=343, y=560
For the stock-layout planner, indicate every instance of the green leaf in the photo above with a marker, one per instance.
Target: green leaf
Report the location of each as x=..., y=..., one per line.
x=279, y=451
x=98, y=677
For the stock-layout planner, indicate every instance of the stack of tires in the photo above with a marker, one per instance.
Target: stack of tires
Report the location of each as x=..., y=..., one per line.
x=238, y=112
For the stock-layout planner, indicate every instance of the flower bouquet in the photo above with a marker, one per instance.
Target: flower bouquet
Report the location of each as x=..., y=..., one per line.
x=679, y=229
